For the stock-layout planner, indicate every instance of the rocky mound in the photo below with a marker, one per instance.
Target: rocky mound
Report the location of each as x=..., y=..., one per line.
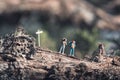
x=48, y=65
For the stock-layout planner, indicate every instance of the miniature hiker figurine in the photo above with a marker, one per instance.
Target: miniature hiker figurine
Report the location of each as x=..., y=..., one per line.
x=20, y=31
x=62, y=48
x=1, y=43
x=99, y=53
x=101, y=48
x=72, y=48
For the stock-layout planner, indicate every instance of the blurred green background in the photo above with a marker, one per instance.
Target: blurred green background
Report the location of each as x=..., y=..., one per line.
x=88, y=22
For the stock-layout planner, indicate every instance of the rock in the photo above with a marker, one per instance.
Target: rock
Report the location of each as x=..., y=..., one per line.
x=70, y=73
x=9, y=58
x=116, y=61
x=18, y=45
x=16, y=63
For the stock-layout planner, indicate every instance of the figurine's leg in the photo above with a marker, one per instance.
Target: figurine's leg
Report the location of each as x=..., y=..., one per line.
x=63, y=50
x=60, y=50
x=73, y=52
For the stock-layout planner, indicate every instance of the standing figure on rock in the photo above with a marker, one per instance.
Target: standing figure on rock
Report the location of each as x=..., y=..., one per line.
x=1, y=43
x=20, y=31
x=72, y=48
x=64, y=43
x=99, y=53
x=101, y=49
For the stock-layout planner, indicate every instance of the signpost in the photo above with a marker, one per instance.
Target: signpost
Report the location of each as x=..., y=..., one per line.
x=38, y=33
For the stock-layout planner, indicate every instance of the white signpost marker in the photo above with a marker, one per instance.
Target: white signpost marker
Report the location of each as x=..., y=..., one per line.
x=38, y=33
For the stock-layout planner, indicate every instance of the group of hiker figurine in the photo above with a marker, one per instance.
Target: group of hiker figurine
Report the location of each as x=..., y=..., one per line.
x=25, y=44
x=71, y=44
x=97, y=55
